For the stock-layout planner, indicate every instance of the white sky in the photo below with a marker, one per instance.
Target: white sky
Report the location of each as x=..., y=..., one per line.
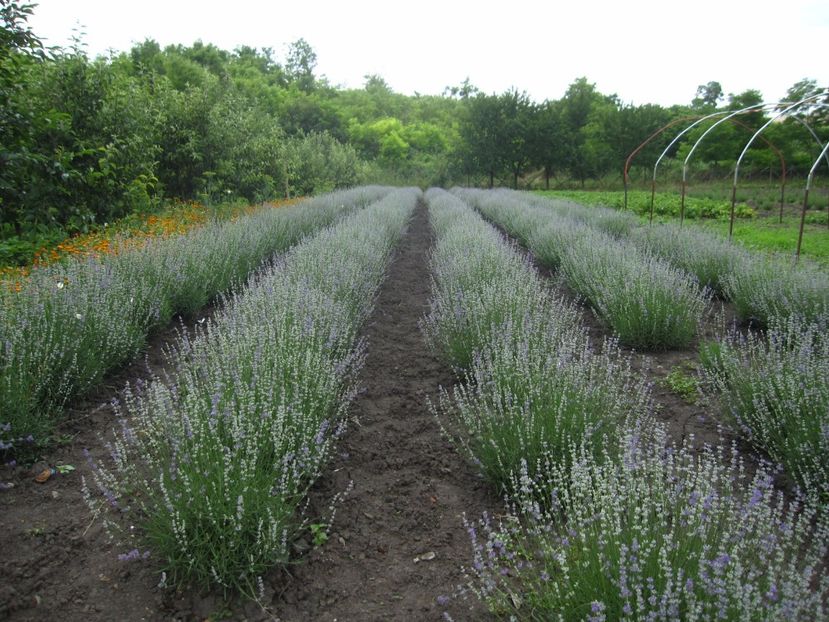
x=645, y=51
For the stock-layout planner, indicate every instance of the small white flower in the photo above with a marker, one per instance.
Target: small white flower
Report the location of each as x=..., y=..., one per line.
x=59, y=284
x=78, y=316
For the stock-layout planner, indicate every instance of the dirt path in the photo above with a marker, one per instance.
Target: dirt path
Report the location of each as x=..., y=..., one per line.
x=410, y=487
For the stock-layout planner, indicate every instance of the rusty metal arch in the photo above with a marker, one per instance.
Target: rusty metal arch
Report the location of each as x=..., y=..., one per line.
x=625, y=176
x=668, y=148
x=817, y=140
x=628, y=161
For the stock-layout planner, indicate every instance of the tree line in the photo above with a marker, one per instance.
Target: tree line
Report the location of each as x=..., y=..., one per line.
x=85, y=140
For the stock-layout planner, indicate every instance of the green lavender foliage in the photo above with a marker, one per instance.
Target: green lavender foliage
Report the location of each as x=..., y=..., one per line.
x=709, y=258
x=532, y=385
x=769, y=288
x=645, y=301
x=480, y=281
x=666, y=533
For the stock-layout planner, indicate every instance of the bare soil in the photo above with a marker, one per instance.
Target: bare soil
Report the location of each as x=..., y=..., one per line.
x=396, y=546
x=410, y=487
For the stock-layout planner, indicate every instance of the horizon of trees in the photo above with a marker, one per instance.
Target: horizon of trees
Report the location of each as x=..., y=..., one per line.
x=84, y=141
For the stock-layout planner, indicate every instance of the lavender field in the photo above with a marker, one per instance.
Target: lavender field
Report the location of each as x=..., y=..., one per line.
x=387, y=404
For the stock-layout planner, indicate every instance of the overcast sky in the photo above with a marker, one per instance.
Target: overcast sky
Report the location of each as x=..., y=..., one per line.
x=645, y=51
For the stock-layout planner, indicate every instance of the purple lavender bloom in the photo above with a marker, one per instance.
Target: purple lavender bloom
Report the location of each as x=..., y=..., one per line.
x=128, y=557
x=721, y=561
x=320, y=437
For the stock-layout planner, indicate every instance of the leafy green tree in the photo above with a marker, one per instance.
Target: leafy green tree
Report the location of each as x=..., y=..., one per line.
x=318, y=162
x=300, y=65
x=20, y=48
x=708, y=97
x=481, y=135
x=577, y=105
x=547, y=139
x=516, y=128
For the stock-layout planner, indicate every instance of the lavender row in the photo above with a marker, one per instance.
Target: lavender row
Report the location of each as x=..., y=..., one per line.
x=213, y=463
x=72, y=323
x=763, y=287
x=606, y=520
x=772, y=389
x=774, y=393
x=645, y=301
x=532, y=383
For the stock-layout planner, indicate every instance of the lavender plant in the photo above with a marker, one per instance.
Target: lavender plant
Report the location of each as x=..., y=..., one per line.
x=533, y=384
x=74, y=322
x=538, y=389
x=768, y=288
x=213, y=463
x=662, y=534
x=645, y=301
x=480, y=282
x=774, y=393
x=707, y=257
x=505, y=208
x=760, y=286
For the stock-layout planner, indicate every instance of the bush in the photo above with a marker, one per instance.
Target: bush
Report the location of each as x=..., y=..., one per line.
x=774, y=393
x=663, y=533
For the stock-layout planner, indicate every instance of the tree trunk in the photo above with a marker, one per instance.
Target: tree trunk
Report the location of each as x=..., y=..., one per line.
x=491, y=179
x=546, y=179
x=515, y=179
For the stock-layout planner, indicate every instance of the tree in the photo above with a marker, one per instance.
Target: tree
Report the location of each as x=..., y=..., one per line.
x=300, y=65
x=816, y=112
x=577, y=105
x=480, y=135
x=708, y=96
x=546, y=139
x=515, y=129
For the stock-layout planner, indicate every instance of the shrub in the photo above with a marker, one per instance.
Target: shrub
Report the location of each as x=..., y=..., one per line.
x=774, y=393
x=663, y=533
x=645, y=301
x=708, y=258
x=768, y=288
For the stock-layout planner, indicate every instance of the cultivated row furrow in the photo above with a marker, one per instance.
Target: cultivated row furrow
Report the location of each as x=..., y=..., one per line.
x=213, y=463
x=772, y=391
